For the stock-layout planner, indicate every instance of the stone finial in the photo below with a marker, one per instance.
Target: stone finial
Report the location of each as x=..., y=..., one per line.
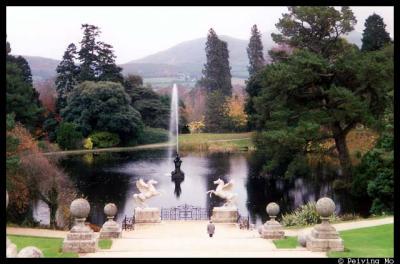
x=110, y=228
x=325, y=207
x=324, y=236
x=272, y=229
x=110, y=210
x=273, y=210
x=80, y=208
x=30, y=252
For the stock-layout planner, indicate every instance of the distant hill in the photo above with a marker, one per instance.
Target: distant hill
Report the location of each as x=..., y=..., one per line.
x=42, y=68
x=184, y=60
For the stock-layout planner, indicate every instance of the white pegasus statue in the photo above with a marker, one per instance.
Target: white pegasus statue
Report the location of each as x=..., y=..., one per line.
x=147, y=190
x=225, y=192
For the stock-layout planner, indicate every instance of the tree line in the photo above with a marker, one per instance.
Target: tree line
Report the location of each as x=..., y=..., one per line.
x=319, y=88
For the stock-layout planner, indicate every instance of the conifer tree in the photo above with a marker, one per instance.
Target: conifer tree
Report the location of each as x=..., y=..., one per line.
x=255, y=51
x=217, y=75
x=374, y=36
x=88, y=53
x=67, y=73
x=108, y=70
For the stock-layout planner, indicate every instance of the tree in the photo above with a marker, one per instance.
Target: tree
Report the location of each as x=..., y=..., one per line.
x=153, y=109
x=108, y=70
x=217, y=75
x=217, y=80
x=67, y=73
x=375, y=36
x=88, y=53
x=319, y=100
x=216, y=117
x=102, y=106
x=255, y=51
x=21, y=97
x=69, y=136
x=315, y=28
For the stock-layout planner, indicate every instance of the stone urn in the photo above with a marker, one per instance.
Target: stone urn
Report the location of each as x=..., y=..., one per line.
x=30, y=252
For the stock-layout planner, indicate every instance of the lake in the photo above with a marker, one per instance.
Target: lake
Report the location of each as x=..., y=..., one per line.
x=111, y=177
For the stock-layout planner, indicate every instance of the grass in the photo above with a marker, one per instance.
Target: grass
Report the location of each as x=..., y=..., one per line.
x=105, y=243
x=51, y=247
x=287, y=242
x=377, y=241
x=215, y=142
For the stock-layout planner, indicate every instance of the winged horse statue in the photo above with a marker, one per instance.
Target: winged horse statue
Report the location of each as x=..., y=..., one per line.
x=147, y=190
x=225, y=192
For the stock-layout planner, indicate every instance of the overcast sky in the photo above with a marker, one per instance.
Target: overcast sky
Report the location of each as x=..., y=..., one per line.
x=136, y=32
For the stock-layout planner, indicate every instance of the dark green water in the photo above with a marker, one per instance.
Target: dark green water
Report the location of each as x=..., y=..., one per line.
x=111, y=177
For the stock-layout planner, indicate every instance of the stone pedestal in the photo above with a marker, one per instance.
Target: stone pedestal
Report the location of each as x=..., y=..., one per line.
x=81, y=239
x=224, y=214
x=324, y=236
x=272, y=229
x=147, y=215
x=111, y=229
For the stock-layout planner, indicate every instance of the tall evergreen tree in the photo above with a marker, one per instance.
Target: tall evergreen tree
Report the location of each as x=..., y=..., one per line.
x=107, y=69
x=255, y=51
x=217, y=81
x=217, y=74
x=67, y=73
x=374, y=35
x=88, y=53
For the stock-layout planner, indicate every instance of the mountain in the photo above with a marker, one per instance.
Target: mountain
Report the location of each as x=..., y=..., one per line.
x=189, y=57
x=182, y=61
x=42, y=68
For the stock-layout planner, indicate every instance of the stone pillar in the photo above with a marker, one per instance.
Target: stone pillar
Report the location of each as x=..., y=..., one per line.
x=110, y=229
x=147, y=215
x=81, y=239
x=272, y=229
x=324, y=236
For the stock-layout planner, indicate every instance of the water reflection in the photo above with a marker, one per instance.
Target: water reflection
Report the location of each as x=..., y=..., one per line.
x=111, y=177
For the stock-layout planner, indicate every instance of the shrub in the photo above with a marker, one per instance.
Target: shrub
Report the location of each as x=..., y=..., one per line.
x=303, y=216
x=104, y=139
x=152, y=135
x=68, y=136
x=88, y=143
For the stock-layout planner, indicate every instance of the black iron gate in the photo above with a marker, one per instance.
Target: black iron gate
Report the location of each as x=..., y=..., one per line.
x=184, y=212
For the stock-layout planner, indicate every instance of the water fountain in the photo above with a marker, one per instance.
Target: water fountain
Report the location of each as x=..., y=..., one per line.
x=177, y=176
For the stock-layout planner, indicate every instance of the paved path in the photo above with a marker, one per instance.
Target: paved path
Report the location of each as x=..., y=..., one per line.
x=189, y=239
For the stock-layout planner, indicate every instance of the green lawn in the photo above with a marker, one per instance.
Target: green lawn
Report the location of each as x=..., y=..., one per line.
x=367, y=242
x=51, y=247
x=216, y=142
x=105, y=243
x=287, y=242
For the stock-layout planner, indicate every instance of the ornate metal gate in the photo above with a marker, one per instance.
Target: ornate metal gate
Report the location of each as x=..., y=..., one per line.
x=184, y=212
